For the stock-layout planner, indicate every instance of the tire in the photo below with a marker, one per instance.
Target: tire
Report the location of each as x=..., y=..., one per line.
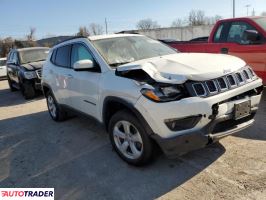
x=56, y=112
x=12, y=88
x=27, y=90
x=129, y=139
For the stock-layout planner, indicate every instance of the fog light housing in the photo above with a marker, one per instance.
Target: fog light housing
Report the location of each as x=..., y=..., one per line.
x=183, y=123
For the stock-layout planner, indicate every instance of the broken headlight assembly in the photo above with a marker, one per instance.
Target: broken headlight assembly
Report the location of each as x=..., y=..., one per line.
x=164, y=93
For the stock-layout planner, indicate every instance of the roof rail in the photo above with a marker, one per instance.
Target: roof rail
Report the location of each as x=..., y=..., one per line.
x=70, y=38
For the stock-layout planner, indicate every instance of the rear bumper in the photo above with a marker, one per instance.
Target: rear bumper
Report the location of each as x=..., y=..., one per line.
x=181, y=144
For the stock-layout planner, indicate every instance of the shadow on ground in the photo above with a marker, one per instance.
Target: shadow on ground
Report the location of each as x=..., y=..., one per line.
x=15, y=98
x=76, y=158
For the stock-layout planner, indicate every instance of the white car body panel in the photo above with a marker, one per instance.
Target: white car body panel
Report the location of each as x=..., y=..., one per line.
x=178, y=68
x=3, y=71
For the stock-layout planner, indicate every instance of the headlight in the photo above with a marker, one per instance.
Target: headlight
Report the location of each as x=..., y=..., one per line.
x=30, y=75
x=163, y=93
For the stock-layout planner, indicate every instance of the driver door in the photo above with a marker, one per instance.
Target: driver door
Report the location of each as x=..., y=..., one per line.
x=237, y=45
x=84, y=84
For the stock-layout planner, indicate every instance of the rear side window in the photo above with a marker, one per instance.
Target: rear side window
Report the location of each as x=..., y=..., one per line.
x=62, y=56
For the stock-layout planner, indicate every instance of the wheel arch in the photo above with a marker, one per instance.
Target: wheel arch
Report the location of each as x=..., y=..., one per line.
x=111, y=105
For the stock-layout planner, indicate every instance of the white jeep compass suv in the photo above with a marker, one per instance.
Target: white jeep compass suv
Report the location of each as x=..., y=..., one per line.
x=145, y=92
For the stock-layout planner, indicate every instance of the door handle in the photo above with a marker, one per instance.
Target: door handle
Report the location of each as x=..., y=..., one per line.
x=224, y=50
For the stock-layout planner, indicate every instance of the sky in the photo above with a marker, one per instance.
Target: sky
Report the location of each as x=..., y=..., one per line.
x=64, y=17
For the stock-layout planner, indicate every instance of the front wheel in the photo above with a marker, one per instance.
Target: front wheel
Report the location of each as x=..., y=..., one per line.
x=129, y=139
x=12, y=88
x=27, y=90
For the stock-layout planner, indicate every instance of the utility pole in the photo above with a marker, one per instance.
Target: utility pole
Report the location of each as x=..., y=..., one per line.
x=234, y=8
x=253, y=12
x=106, y=30
x=247, y=6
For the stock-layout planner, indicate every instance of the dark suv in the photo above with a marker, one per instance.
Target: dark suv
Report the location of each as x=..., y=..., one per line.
x=24, y=69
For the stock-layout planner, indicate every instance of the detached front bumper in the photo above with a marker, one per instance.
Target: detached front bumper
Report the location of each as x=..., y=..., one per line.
x=181, y=144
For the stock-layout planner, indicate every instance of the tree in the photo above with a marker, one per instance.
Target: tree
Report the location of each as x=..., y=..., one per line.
x=196, y=17
x=212, y=20
x=95, y=29
x=5, y=46
x=146, y=24
x=31, y=37
x=177, y=23
x=263, y=14
x=83, y=31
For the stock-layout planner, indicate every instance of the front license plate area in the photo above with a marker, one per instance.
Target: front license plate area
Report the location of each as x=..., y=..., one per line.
x=242, y=110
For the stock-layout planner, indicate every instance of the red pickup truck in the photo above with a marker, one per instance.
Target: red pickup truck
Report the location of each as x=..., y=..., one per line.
x=241, y=37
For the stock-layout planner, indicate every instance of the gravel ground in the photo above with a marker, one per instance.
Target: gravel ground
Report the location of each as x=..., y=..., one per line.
x=76, y=158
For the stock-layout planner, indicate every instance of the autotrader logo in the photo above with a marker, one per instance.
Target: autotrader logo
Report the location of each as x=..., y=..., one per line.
x=27, y=193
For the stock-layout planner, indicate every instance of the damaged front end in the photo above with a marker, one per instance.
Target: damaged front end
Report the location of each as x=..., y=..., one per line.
x=155, y=86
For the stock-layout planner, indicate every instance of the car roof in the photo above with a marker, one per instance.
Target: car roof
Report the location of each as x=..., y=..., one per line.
x=100, y=37
x=32, y=48
x=241, y=18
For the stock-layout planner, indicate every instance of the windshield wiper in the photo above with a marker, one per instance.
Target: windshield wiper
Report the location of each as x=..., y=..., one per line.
x=117, y=64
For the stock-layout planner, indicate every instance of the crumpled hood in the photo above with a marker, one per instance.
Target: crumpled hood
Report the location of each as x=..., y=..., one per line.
x=177, y=68
x=34, y=65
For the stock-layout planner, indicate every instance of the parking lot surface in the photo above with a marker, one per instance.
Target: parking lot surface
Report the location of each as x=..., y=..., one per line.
x=76, y=158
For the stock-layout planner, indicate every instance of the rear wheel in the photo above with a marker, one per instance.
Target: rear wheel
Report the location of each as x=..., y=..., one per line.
x=129, y=138
x=55, y=111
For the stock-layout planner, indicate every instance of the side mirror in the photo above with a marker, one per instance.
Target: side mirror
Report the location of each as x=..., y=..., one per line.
x=252, y=36
x=83, y=65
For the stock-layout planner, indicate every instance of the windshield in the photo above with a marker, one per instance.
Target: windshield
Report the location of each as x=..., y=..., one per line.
x=2, y=62
x=261, y=22
x=33, y=55
x=121, y=50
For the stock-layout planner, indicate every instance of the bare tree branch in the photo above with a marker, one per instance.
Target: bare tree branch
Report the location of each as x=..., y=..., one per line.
x=146, y=24
x=96, y=29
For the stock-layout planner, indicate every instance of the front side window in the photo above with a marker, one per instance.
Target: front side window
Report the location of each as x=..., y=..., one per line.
x=80, y=52
x=33, y=55
x=237, y=32
x=62, y=57
x=121, y=50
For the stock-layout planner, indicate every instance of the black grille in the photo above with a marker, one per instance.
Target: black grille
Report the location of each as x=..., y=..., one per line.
x=199, y=89
x=222, y=83
x=251, y=72
x=211, y=86
x=246, y=74
x=239, y=78
x=231, y=80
